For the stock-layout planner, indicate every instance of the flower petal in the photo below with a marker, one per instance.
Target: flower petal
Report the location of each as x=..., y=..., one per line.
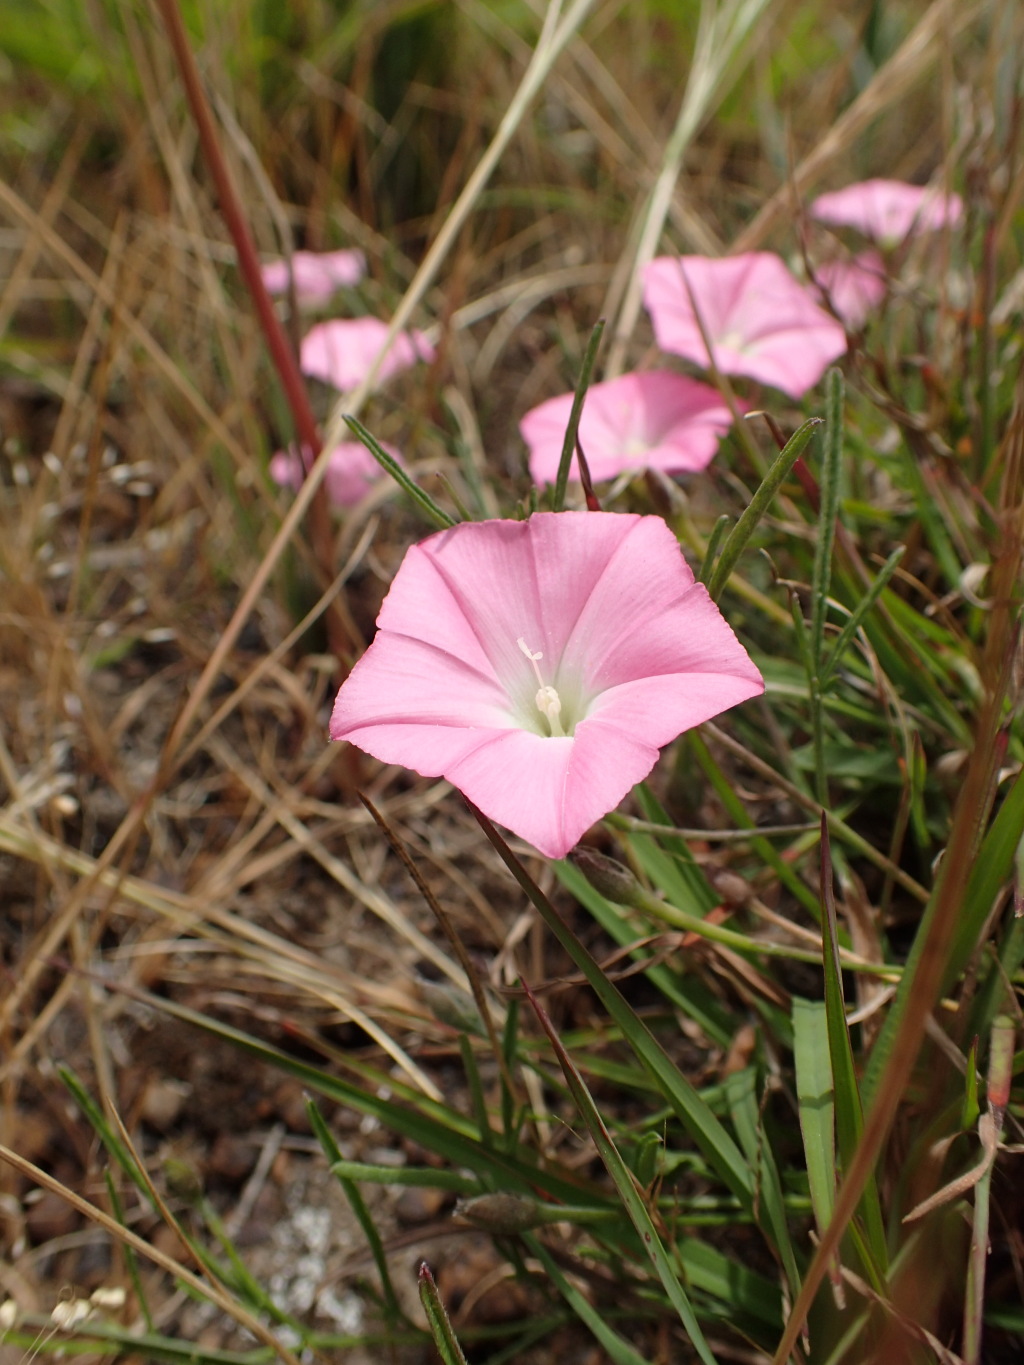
x=761, y=322
x=649, y=420
x=317, y=274
x=889, y=210
x=341, y=352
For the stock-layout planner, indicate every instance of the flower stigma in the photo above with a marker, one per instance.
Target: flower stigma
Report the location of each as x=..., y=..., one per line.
x=547, y=700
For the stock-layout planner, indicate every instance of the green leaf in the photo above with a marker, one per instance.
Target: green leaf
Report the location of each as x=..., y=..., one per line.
x=815, y=1104
x=759, y=504
x=387, y=462
x=709, y=1134
x=440, y=1326
x=848, y=1111
x=625, y=1184
x=571, y=431
x=772, y=1218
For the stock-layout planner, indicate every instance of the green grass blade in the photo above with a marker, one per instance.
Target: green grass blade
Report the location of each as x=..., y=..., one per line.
x=759, y=504
x=828, y=513
x=619, y=1351
x=848, y=1112
x=625, y=1184
x=388, y=463
x=992, y=867
x=392, y=1308
x=707, y=1131
x=856, y=617
x=687, y=993
x=711, y=550
x=448, y=1347
x=772, y=1219
x=571, y=431
x=815, y=1104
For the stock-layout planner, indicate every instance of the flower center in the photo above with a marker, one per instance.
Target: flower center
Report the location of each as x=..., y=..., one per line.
x=547, y=700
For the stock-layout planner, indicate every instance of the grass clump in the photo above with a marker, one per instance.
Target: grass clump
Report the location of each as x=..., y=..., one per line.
x=738, y=1079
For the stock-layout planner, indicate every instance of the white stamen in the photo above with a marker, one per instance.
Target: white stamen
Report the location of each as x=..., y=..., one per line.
x=547, y=700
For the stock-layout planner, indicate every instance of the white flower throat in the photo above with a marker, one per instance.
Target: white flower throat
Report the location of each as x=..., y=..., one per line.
x=547, y=700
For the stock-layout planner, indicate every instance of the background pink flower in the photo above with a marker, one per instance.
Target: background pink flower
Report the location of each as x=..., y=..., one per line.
x=652, y=420
x=539, y=666
x=760, y=320
x=350, y=473
x=341, y=352
x=318, y=274
x=855, y=286
x=888, y=210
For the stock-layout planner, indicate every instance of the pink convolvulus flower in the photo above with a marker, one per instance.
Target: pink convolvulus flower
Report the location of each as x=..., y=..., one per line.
x=341, y=352
x=855, y=286
x=351, y=471
x=318, y=274
x=651, y=420
x=760, y=321
x=539, y=665
x=888, y=210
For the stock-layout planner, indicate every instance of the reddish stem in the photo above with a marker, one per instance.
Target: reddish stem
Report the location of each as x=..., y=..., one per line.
x=281, y=352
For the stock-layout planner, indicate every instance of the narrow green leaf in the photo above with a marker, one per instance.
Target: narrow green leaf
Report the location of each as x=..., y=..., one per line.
x=828, y=512
x=387, y=462
x=856, y=617
x=739, y=815
x=772, y=1217
x=619, y=1351
x=687, y=993
x=759, y=504
x=992, y=866
x=423, y=1177
x=714, y=540
x=815, y=1103
x=440, y=1326
x=624, y=1182
x=709, y=1134
x=392, y=1308
x=571, y=431
x=848, y=1111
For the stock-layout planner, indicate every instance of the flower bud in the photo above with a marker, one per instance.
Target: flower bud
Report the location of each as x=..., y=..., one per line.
x=613, y=879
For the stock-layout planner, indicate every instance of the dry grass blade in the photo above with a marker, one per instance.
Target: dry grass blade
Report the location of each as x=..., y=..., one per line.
x=938, y=26
x=203, y=1287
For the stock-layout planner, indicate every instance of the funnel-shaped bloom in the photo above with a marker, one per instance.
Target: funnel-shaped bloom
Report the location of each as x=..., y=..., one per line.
x=760, y=321
x=539, y=665
x=854, y=286
x=888, y=210
x=654, y=420
x=317, y=274
x=351, y=471
x=341, y=352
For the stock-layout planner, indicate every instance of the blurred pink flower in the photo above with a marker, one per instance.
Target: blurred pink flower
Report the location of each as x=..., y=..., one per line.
x=341, y=352
x=854, y=286
x=651, y=420
x=888, y=210
x=351, y=472
x=318, y=274
x=539, y=665
x=761, y=322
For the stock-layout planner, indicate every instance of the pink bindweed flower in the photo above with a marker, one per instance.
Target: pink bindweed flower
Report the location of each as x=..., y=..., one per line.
x=341, y=352
x=854, y=287
x=351, y=472
x=318, y=274
x=539, y=666
x=888, y=210
x=652, y=420
x=760, y=321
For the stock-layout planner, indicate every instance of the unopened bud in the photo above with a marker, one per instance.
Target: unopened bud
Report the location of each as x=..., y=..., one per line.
x=502, y=1213
x=613, y=879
